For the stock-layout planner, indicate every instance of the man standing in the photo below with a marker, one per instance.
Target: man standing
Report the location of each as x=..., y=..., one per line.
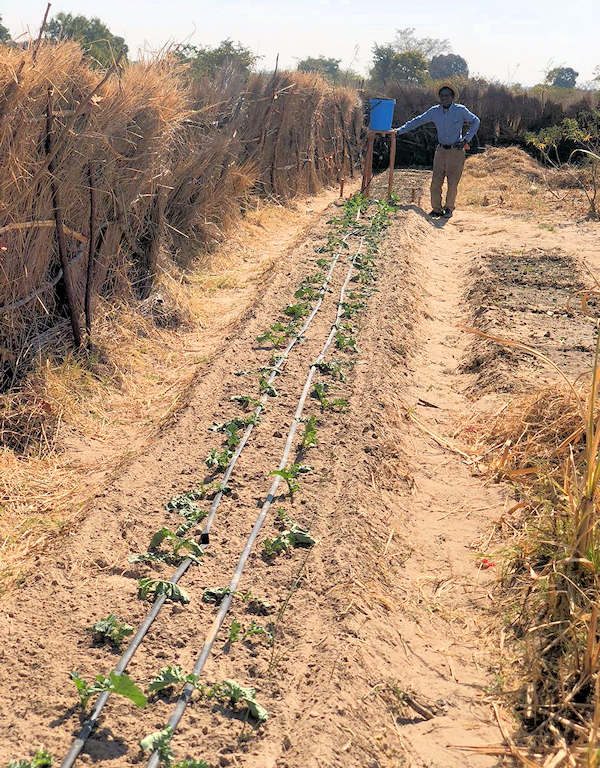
x=449, y=160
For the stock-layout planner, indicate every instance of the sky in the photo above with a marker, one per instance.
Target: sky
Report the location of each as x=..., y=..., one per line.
x=513, y=41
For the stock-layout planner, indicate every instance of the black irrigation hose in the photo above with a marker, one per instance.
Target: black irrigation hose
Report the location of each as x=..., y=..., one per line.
x=188, y=690
x=89, y=725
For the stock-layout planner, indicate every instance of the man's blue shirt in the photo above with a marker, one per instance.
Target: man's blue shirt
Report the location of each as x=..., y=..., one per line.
x=448, y=122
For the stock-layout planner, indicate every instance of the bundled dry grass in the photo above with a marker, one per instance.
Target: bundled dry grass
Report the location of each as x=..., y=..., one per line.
x=545, y=444
x=510, y=178
x=173, y=164
x=167, y=164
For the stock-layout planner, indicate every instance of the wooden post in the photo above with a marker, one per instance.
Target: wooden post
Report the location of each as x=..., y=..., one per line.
x=60, y=232
x=392, y=161
x=368, y=164
x=368, y=161
x=89, y=283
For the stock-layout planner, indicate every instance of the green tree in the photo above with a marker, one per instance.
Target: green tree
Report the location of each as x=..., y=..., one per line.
x=4, y=33
x=562, y=77
x=329, y=68
x=207, y=61
x=405, y=42
x=96, y=39
x=389, y=66
x=447, y=65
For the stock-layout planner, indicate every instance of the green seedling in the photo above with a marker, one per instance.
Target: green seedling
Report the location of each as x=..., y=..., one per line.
x=292, y=537
x=316, y=279
x=160, y=741
x=349, y=309
x=259, y=606
x=309, y=438
x=290, y=475
x=120, y=685
x=275, y=360
x=266, y=388
x=169, y=677
x=322, y=263
x=186, y=502
x=344, y=341
x=215, y=595
x=41, y=759
x=333, y=369
x=297, y=311
x=277, y=334
x=232, y=693
x=307, y=293
x=111, y=631
x=245, y=401
x=254, y=629
x=153, y=588
x=180, y=549
x=320, y=392
x=239, y=631
x=219, y=459
x=234, y=631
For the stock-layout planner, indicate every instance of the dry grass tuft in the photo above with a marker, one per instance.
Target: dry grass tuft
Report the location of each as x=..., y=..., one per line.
x=540, y=445
x=509, y=178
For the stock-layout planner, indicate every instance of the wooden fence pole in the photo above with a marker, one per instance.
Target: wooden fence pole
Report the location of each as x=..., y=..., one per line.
x=89, y=283
x=60, y=233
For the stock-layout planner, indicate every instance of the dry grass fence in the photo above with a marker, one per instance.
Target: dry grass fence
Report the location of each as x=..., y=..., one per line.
x=506, y=113
x=102, y=173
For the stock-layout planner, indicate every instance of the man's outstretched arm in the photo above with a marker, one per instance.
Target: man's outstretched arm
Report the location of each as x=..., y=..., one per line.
x=410, y=125
x=473, y=122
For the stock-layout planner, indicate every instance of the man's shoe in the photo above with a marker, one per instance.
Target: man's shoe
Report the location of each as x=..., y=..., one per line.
x=436, y=214
x=447, y=213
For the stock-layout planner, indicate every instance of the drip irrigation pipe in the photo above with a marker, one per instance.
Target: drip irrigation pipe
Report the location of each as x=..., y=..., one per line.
x=89, y=725
x=188, y=690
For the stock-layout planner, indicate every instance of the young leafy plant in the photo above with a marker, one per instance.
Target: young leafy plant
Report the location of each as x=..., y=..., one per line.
x=320, y=392
x=297, y=311
x=344, y=341
x=266, y=388
x=169, y=677
x=111, y=631
x=219, y=459
x=234, y=631
x=215, y=595
x=41, y=759
x=180, y=549
x=231, y=692
x=290, y=475
x=333, y=369
x=309, y=438
x=153, y=588
x=290, y=537
x=277, y=334
x=160, y=741
x=120, y=685
x=245, y=401
x=307, y=292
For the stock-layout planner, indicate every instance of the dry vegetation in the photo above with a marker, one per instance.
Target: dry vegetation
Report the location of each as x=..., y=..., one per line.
x=545, y=444
x=158, y=169
x=508, y=178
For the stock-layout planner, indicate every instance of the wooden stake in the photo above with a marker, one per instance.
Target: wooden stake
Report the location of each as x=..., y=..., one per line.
x=89, y=283
x=392, y=162
x=60, y=232
x=368, y=160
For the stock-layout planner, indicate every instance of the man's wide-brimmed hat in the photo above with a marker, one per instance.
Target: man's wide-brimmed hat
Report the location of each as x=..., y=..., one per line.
x=447, y=87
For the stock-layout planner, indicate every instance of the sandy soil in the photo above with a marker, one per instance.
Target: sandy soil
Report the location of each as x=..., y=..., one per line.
x=386, y=635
